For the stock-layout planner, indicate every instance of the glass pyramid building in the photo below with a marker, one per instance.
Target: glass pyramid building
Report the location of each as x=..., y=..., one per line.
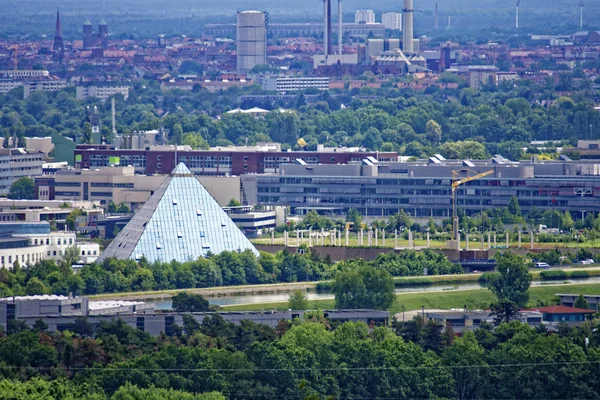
x=181, y=221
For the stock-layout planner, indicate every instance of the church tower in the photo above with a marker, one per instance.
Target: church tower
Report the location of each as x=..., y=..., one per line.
x=58, y=46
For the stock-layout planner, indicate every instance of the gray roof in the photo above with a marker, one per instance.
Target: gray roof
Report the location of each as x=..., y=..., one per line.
x=181, y=221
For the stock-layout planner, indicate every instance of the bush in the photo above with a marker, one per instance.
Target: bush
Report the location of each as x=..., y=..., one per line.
x=487, y=277
x=553, y=275
x=579, y=274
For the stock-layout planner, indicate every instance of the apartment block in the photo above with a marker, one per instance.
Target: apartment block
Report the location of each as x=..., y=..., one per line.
x=43, y=86
x=101, y=91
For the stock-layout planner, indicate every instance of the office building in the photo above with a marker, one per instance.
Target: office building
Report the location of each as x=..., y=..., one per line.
x=181, y=221
x=8, y=84
x=60, y=313
x=423, y=188
x=24, y=73
x=364, y=17
x=392, y=20
x=18, y=163
x=251, y=40
x=284, y=84
x=217, y=161
x=30, y=242
x=302, y=29
x=43, y=86
x=121, y=185
x=101, y=91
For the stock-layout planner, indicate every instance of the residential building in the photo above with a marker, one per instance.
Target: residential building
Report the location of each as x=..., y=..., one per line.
x=18, y=163
x=423, y=188
x=101, y=91
x=392, y=20
x=285, y=84
x=481, y=75
x=364, y=17
x=43, y=86
x=181, y=221
x=217, y=161
x=462, y=320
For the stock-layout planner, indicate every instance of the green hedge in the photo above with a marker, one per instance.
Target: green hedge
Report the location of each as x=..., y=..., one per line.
x=553, y=275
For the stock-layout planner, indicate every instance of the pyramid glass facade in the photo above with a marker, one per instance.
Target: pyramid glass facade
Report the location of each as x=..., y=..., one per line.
x=181, y=221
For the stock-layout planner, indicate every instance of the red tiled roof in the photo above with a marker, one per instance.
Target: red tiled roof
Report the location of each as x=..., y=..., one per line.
x=561, y=310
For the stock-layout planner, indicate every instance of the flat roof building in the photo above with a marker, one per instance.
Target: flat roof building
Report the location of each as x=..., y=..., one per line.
x=220, y=161
x=423, y=188
x=18, y=163
x=101, y=91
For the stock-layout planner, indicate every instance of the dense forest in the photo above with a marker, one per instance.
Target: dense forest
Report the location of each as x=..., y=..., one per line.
x=458, y=123
x=310, y=359
x=225, y=269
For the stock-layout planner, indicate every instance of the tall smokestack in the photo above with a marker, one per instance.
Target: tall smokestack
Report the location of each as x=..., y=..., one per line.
x=327, y=47
x=517, y=15
x=581, y=13
x=407, y=27
x=340, y=27
x=436, y=26
x=449, y=24
x=114, y=117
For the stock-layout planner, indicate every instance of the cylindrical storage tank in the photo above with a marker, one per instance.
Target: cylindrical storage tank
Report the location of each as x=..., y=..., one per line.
x=251, y=40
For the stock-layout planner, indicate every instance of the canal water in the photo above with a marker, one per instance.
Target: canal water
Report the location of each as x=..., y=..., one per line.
x=166, y=304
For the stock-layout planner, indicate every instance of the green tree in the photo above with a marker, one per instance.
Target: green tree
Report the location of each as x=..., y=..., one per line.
x=355, y=217
x=433, y=131
x=363, y=287
x=510, y=285
x=298, y=300
x=184, y=302
x=234, y=203
x=566, y=222
x=22, y=189
x=513, y=207
x=35, y=286
x=581, y=302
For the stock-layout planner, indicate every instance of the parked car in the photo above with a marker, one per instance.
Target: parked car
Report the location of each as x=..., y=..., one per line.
x=589, y=261
x=542, y=265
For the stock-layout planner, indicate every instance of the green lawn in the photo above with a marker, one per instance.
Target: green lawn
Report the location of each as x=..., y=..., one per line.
x=475, y=299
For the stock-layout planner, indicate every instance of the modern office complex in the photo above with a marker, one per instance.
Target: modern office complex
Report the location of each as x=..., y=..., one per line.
x=218, y=161
x=392, y=20
x=18, y=163
x=29, y=242
x=60, y=313
x=423, y=188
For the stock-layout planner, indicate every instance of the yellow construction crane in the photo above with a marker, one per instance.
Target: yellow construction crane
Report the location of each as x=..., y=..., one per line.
x=456, y=182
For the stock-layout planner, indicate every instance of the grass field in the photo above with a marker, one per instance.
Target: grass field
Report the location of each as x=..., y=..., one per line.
x=474, y=299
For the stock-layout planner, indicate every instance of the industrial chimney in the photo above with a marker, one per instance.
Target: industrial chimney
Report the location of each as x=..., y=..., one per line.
x=327, y=48
x=407, y=27
x=581, y=13
x=436, y=26
x=340, y=27
x=517, y=15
